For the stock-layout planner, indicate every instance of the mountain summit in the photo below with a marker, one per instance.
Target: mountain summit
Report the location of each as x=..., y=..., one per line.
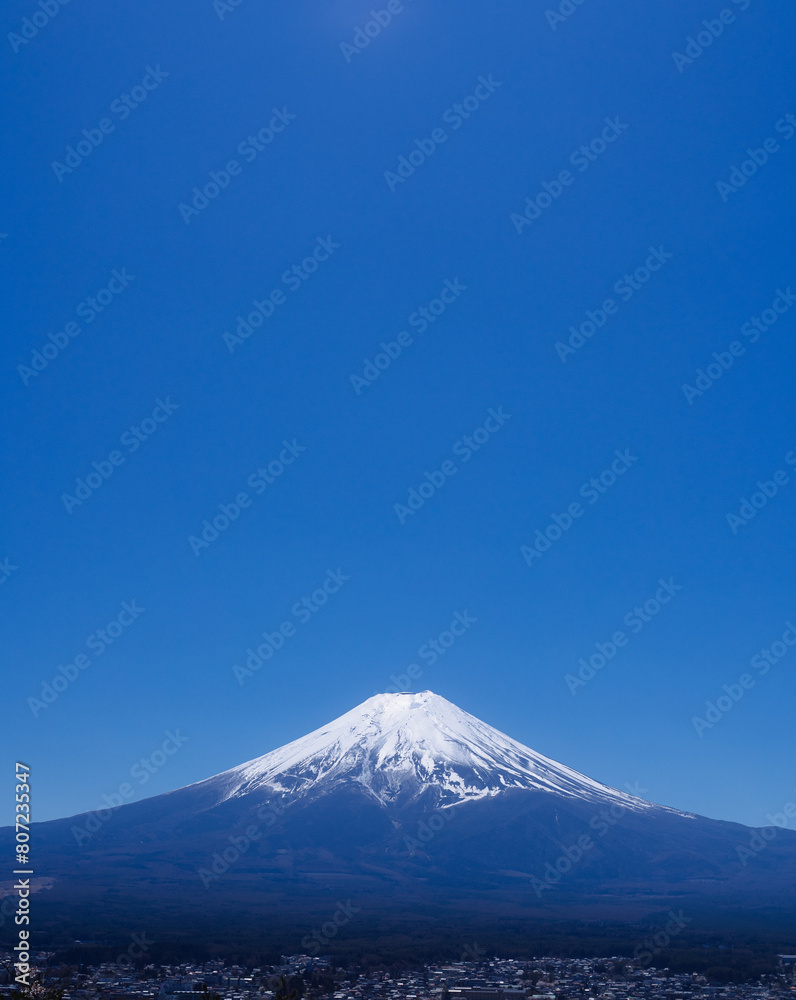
x=408, y=805
x=396, y=747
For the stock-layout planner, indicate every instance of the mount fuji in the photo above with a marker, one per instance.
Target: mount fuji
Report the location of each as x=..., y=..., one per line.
x=407, y=805
x=398, y=748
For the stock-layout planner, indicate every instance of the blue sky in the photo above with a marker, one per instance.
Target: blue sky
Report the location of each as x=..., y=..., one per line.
x=315, y=221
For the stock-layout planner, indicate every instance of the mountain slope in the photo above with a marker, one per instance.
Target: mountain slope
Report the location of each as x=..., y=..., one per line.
x=397, y=746
x=405, y=803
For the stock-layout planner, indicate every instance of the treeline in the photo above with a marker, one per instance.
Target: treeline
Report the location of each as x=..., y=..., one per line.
x=711, y=943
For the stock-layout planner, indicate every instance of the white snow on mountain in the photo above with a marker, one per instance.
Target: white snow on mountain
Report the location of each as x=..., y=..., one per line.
x=396, y=746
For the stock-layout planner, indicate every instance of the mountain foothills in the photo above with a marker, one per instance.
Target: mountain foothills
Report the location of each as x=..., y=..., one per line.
x=406, y=812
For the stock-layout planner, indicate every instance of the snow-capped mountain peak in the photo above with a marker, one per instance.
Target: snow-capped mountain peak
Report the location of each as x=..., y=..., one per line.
x=397, y=746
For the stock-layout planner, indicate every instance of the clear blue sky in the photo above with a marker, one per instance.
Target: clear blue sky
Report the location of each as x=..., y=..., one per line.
x=329, y=127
